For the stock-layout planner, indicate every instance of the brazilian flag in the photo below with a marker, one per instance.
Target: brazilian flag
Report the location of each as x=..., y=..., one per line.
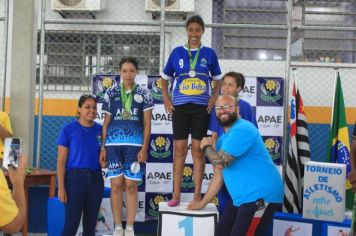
x=339, y=143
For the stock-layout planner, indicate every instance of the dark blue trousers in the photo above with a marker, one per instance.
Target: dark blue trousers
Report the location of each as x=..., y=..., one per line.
x=84, y=191
x=223, y=199
x=235, y=221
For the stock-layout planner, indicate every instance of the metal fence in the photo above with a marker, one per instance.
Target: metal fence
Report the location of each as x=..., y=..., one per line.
x=3, y=37
x=255, y=37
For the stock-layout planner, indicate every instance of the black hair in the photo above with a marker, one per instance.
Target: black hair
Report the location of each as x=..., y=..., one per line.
x=195, y=19
x=131, y=60
x=239, y=78
x=85, y=97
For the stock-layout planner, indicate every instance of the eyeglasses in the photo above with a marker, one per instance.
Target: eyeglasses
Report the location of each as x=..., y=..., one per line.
x=225, y=107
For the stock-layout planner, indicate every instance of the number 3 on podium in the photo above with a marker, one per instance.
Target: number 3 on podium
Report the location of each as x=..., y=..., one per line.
x=187, y=225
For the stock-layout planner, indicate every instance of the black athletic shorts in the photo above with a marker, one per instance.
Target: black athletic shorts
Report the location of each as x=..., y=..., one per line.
x=191, y=119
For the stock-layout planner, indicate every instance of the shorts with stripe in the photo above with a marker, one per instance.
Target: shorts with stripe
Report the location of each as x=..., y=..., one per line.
x=119, y=160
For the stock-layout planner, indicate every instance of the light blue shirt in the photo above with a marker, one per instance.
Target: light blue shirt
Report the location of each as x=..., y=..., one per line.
x=252, y=175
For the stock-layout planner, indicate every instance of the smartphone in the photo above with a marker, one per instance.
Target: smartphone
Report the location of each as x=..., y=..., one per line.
x=12, y=150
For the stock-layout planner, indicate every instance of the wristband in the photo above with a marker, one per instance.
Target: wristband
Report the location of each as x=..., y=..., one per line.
x=103, y=147
x=206, y=147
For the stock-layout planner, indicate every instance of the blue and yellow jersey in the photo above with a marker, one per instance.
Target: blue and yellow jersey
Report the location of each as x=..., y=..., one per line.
x=121, y=130
x=196, y=89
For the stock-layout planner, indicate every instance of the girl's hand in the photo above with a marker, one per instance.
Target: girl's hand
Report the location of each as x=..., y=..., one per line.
x=142, y=156
x=62, y=195
x=102, y=157
x=168, y=105
x=211, y=103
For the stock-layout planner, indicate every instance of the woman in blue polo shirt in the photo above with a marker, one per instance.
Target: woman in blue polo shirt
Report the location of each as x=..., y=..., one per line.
x=80, y=183
x=191, y=67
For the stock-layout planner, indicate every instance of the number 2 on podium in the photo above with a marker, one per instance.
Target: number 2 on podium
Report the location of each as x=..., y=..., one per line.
x=187, y=225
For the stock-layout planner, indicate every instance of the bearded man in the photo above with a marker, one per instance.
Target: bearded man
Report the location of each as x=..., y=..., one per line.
x=241, y=160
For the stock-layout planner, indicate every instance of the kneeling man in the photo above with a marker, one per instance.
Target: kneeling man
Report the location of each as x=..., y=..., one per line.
x=241, y=160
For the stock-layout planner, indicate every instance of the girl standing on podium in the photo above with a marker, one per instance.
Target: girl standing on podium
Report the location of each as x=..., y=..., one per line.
x=126, y=134
x=191, y=67
x=80, y=182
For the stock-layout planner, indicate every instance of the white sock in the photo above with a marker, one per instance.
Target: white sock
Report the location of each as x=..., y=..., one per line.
x=129, y=227
x=118, y=226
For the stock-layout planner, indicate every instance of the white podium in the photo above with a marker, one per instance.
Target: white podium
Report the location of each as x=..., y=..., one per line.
x=178, y=221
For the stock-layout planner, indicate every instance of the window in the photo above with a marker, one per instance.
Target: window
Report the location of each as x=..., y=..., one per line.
x=72, y=58
x=270, y=44
x=251, y=43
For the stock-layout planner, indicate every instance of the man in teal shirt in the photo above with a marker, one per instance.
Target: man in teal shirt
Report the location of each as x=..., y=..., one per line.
x=243, y=163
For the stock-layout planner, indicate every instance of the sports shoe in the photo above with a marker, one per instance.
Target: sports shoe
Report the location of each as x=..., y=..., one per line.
x=129, y=232
x=118, y=232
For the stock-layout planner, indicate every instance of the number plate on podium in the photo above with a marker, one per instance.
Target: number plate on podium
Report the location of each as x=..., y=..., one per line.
x=178, y=221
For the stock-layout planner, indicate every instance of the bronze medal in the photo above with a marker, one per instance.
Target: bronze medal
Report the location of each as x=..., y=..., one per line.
x=126, y=115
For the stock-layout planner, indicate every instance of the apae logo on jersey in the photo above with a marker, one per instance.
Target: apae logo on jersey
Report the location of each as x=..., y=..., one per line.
x=160, y=147
x=270, y=91
x=272, y=146
x=138, y=98
x=203, y=62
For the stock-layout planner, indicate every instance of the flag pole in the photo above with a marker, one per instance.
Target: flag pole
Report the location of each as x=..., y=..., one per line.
x=332, y=105
x=295, y=77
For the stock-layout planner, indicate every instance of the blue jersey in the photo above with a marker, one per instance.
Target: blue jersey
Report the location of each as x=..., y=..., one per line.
x=126, y=131
x=196, y=89
x=83, y=145
x=245, y=110
x=252, y=175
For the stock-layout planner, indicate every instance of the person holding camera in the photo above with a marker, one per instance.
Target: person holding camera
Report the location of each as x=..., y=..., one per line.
x=13, y=204
x=5, y=132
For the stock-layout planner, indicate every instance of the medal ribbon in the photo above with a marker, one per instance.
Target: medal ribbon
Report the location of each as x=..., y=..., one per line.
x=193, y=62
x=127, y=99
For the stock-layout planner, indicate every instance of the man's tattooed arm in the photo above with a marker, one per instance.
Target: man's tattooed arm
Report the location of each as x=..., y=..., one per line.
x=220, y=158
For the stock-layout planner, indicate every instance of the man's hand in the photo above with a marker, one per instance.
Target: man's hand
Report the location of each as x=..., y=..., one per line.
x=195, y=205
x=352, y=179
x=206, y=141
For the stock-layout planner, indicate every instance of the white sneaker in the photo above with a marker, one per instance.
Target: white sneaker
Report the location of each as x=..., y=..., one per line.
x=129, y=232
x=118, y=232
